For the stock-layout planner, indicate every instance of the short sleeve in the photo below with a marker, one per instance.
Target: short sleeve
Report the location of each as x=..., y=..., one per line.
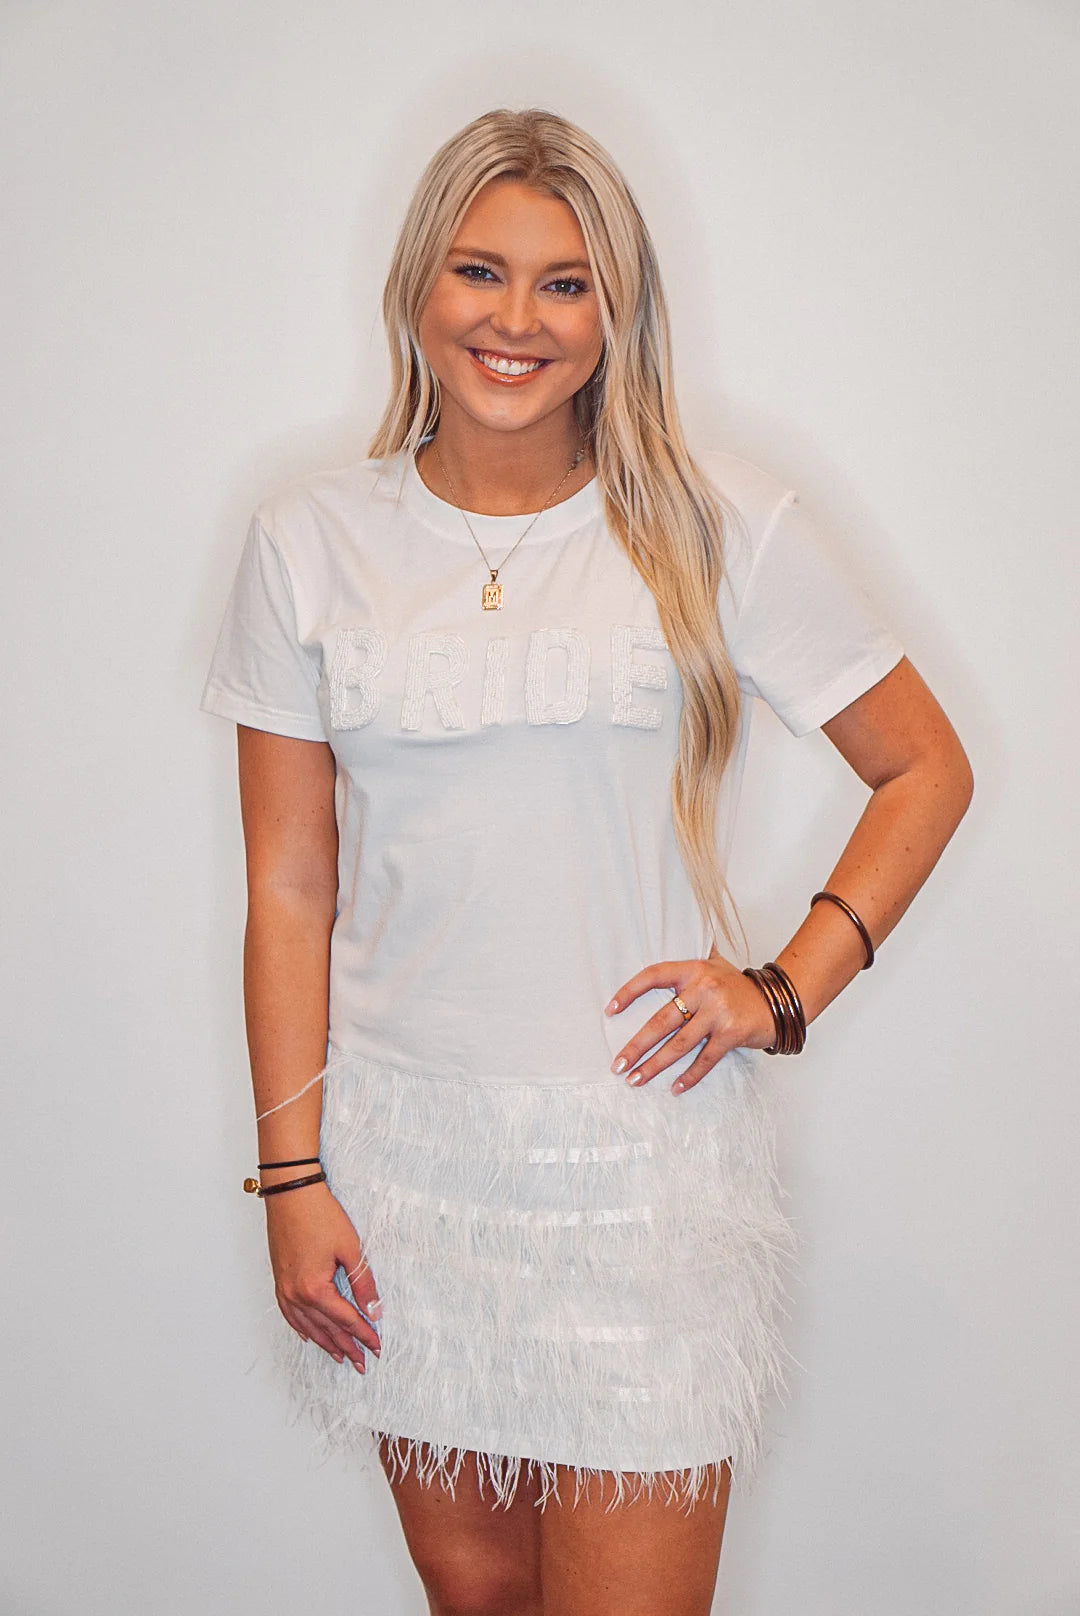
x=260, y=672
x=808, y=638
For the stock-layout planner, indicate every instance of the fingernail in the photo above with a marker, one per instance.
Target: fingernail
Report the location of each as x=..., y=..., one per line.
x=358, y=1367
x=619, y=1065
x=374, y=1309
x=636, y=1077
x=609, y=1009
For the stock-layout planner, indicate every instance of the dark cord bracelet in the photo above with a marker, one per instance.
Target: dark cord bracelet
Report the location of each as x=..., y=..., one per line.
x=253, y=1187
x=301, y=1161
x=848, y=910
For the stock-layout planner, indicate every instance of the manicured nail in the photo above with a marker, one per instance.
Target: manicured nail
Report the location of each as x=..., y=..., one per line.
x=636, y=1077
x=609, y=1009
x=619, y=1065
x=374, y=1309
x=357, y=1366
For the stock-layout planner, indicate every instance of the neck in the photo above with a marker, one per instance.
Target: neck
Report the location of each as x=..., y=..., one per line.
x=503, y=473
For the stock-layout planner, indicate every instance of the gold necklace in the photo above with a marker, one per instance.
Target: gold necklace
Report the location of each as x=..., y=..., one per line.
x=492, y=597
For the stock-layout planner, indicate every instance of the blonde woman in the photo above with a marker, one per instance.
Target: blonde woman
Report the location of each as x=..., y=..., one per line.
x=491, y=687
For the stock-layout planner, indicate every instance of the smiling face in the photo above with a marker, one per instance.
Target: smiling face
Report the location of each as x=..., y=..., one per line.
x=512, y=326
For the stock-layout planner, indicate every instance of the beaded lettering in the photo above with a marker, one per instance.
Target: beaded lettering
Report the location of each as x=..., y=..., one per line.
x=555, y=670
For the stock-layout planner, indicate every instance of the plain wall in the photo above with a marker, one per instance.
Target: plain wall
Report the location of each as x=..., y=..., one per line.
x=867, y=219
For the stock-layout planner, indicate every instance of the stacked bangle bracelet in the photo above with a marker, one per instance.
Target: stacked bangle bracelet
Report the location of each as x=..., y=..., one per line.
x=789, y=1017
x=786, y=1007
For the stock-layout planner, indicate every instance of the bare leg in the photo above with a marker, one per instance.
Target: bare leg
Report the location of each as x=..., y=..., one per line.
x=473, y=1559
x=647, y=1558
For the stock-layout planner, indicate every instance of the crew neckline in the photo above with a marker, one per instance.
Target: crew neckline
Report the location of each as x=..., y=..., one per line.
x=557, y=522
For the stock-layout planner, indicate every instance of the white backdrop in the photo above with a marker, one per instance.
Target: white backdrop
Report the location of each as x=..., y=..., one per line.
x=867, y=218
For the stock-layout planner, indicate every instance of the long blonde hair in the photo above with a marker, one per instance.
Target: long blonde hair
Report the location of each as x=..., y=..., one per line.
x=659, y=506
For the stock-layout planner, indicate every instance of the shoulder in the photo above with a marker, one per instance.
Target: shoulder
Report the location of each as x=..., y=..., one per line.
x=803, y=632
x=754, y=489
x=750, y=497
x=312, y=520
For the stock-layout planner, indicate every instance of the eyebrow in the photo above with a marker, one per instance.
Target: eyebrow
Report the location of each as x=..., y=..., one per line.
x=497, y=258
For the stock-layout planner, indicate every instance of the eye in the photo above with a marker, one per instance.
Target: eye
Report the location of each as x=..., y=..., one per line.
x=474, y=273
x=571, y=287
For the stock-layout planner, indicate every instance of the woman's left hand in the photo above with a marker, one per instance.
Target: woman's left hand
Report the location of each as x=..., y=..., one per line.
x=727, y=1010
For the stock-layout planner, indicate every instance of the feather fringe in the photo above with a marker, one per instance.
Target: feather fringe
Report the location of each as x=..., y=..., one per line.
x=575, y=1277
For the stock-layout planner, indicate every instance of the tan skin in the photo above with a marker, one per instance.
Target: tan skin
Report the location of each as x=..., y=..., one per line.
x=505, y=445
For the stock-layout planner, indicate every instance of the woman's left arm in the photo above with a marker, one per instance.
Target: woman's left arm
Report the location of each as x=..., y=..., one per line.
x=900, y=743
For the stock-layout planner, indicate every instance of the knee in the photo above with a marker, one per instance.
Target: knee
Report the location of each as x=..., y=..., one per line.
x=469, y=1588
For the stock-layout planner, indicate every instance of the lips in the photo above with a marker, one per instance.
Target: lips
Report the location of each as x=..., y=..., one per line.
x=506, y=367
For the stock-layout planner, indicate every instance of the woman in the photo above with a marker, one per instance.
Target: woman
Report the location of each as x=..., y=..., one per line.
x=491, y=693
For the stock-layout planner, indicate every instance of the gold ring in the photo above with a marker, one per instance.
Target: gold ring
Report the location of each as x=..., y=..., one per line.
x=681, y=1008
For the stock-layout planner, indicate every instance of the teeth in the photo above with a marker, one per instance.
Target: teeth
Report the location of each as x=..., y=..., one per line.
x=508, y=367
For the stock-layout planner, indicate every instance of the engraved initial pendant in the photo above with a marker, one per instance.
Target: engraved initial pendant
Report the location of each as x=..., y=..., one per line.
x=491, y=600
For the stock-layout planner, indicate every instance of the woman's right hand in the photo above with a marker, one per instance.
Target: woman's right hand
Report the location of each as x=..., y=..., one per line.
x=310, y=1237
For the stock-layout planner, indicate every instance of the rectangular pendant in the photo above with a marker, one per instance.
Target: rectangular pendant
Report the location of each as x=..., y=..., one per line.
x=491, y=599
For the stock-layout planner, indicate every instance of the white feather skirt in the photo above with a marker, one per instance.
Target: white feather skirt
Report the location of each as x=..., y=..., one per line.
x=581, y=1275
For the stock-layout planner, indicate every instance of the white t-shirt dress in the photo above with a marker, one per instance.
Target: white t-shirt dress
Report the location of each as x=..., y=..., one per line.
x=573, y=1272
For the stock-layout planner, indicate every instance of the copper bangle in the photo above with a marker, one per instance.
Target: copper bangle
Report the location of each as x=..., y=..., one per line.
x=848, y=910
x=793, y=1039
x=771, y=993
x=787, y=987
x=783, y=1000
x=768, y=993
x=797, y=1016
x=788, y=1036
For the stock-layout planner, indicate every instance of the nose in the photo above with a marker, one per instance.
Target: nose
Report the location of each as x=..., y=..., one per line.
x=516, y=315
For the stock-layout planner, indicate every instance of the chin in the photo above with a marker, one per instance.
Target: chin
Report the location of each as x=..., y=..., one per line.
x=508, y=416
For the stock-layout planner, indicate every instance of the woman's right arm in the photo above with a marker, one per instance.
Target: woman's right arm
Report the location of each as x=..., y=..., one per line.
x=290, y=838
